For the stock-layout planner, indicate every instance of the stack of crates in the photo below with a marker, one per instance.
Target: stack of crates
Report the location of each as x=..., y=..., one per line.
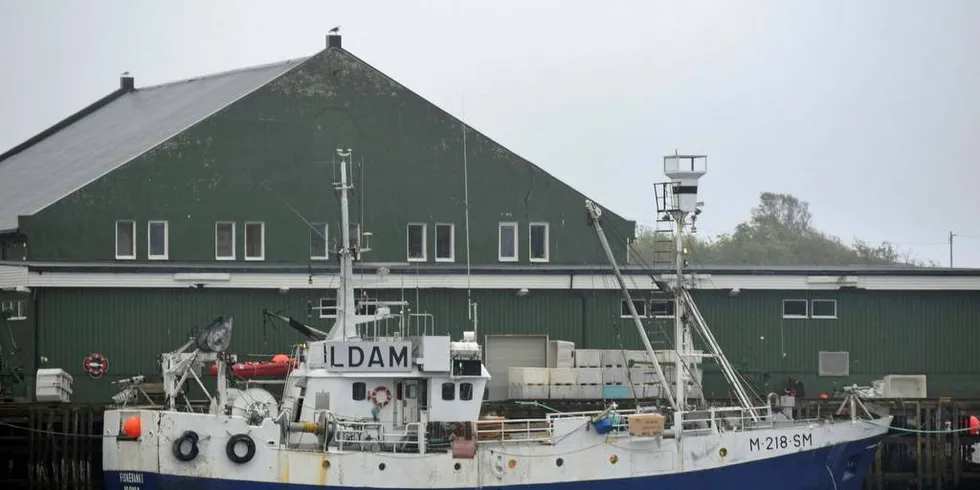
x=53, y=385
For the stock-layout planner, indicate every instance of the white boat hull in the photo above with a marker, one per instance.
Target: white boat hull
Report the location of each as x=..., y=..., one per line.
x=797, y=456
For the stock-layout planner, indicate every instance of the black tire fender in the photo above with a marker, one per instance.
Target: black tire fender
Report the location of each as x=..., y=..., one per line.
x=234, y=441
x=188, y=437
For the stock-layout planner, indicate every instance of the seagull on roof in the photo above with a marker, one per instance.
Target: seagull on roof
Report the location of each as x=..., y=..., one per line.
x=334, y=30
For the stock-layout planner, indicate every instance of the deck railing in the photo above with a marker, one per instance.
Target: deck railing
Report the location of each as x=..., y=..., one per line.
x=514, y=430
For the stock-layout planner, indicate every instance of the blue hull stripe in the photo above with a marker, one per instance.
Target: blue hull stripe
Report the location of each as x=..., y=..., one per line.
x=840, y=467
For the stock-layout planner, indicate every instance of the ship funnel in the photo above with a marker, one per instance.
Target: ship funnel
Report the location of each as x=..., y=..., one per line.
x=684, y=172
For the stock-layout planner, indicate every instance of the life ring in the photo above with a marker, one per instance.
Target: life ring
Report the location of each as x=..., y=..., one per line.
x=235, y=441
x=95, y=365
x=381, y=396
x=189, y=438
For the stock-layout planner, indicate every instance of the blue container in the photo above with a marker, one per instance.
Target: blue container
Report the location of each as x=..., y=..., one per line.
x=615, y=391
x=603, y=425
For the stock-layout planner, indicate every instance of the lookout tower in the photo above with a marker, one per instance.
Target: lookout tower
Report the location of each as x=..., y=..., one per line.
x=684, y=172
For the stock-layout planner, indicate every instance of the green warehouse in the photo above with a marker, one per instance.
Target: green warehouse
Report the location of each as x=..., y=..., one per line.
x=158, y=208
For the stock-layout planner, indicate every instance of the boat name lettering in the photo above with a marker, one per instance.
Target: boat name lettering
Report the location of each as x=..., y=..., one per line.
x=368, y=356
x=775, y=443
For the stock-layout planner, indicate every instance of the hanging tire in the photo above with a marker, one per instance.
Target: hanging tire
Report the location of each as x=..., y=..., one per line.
x=189, y=439
x=234, y=442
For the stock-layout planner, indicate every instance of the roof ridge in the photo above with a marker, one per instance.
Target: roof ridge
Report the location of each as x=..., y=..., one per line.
x=232, y=71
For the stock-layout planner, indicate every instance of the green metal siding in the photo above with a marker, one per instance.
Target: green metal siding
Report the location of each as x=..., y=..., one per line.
x=932, y=333
x=275, y=149
x=17, y=340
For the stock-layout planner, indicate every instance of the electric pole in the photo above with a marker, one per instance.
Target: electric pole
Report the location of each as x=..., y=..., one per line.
x=951, y=235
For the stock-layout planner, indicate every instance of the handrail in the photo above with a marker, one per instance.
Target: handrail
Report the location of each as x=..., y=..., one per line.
x=514, y=430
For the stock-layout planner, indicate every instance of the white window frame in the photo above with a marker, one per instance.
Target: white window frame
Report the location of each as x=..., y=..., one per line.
x=665, y=300
x=452, y=242
x=324, y=311
x=325, y=230
x=261, y=240
x=823, y=317
x=149, y=240
x=517, y=243
x=547, y=240
x=806, y=304
x=639, y=304
x=115, y=245
x=234, y=240
x=425, y=242
x=17, y=306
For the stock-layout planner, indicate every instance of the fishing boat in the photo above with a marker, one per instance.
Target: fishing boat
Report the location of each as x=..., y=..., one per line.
x=381, y=401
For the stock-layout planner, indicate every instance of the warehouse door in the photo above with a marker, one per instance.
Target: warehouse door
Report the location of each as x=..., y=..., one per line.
x=506, y=351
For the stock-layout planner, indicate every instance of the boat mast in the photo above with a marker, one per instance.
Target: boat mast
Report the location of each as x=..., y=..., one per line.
x=345, y=326
x=594, y=214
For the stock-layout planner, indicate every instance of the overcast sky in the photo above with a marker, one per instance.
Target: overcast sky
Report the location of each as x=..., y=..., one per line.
x=868, y=110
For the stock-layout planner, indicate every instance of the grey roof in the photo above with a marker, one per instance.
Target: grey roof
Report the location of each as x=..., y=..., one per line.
x=112, y=132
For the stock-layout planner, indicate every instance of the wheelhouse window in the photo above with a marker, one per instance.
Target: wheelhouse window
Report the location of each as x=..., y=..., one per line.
x=328, y=308
x=823, y=308
x=318, y=241
x=466, y=391
x=254, y=241
x=358, y=391
x=415, y=236
x=507, y=242
x=125, y=239
x=794, y=308
x=448, y=391
x=639, y=304
x=224, y=240
x=538, y=242
x=445, y=242
x=157, y=238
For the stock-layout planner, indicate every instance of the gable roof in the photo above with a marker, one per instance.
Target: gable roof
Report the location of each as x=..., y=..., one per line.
x=111, y=132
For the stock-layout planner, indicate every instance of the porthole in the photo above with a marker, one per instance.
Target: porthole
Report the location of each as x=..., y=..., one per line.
x=613, y=459
x=723, y=452
x=559, y=462
x=512, y=464
x=381, y=466
x=457, y=466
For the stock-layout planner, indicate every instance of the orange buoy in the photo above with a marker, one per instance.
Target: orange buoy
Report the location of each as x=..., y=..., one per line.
x=280, y=358
x=823, y=396
x=974, y=425
x=132, y=427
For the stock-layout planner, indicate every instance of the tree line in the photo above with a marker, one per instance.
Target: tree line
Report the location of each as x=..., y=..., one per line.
x=778, y=232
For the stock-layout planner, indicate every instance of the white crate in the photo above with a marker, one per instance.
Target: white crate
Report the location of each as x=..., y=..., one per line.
x=563, y=392
x=642, y=376
x=53, y=385
x=904, y=386
x=613, y=358
x=589, y=376
x=615, y=375
x=563, y=376
x=639, y=358
x=528, y=392
x=589, y=392
x=588, y=358
x=652, y=391
x=528, y=376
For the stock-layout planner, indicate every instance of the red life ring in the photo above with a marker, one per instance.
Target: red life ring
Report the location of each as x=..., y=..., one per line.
x=384, y=399
x=95, y=365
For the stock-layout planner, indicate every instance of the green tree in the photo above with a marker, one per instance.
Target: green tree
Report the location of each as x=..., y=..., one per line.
x=778, y=232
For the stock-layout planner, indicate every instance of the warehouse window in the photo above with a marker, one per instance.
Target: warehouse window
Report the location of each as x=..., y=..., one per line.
x=125, y=239
x=794, y=308
x=538, y=242
x=157, y=240
x=823, y=308
x=639, y=304
x=254, y=240
x=224, y=240
x=328, y=308
x=318, y=241
x=507, y=242
x=445, y=242
x=415, y=242
x=661, y=307
x=13, y=310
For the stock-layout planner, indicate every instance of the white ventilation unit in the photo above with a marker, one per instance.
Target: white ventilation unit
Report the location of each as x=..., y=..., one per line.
x=834, y=363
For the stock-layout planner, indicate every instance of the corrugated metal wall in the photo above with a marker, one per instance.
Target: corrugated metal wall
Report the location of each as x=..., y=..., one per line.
x=933, y=333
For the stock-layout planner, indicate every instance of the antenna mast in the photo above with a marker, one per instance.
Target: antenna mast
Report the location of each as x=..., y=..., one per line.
x=470, y=304
x=345, y=327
